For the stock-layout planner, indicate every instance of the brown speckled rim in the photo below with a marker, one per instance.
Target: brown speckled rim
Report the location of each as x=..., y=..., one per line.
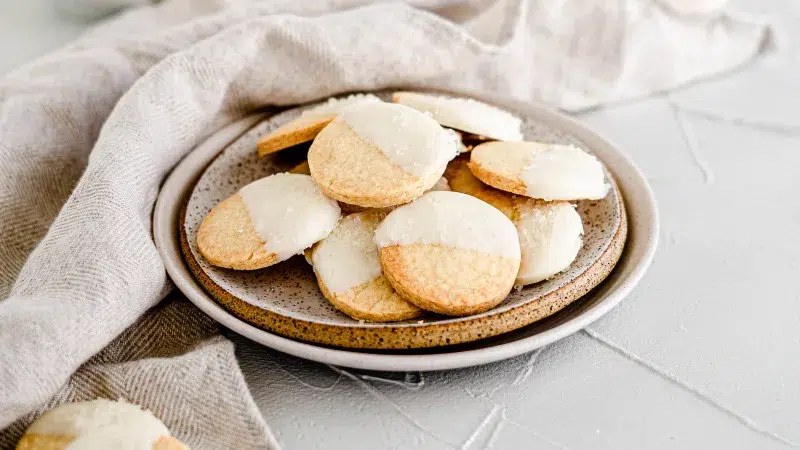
x=431, y=334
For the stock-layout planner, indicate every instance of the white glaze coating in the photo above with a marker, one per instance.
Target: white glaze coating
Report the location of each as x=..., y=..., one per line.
x=451, y=219
x=550, y=236
x=289, y=212
x=348, y=257
x=410, y=139
x=335, y=106
x=464, y=114
x=563, y=172
x=102, y=424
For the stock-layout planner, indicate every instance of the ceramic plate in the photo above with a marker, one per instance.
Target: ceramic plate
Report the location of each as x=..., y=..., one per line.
x=286, y=299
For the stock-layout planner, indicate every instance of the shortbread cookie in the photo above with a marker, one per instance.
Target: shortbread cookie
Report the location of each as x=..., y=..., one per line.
x=537, y=170
x=98, y=424
x=310, y=122
x=550, y=233
x=380, y=154
x=464, y=114
x=349, y=272
x=267, y=222
x=449, y=253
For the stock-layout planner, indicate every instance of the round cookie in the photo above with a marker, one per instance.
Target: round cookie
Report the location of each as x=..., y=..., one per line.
x=380, y=154
x=449, y=253
x=266, y=222
x=474, y=117
x=550, y=233
x=310, y=122
x=96, y=424
x=349, y=273
x=538, y=170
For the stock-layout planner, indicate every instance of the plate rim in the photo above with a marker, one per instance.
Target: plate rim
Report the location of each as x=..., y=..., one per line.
x=165, y=231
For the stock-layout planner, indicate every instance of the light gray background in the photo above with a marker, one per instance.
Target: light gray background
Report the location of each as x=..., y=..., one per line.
x=704, y=354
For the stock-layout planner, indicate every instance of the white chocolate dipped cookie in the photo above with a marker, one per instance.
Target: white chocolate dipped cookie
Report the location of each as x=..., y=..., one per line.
x=550, y=233
x=538, y=170
x=310, y=122
x=267, y=222
x=449, y=253
x=349, y=272
x=380, y=154
x=474, y=117
x=98, y=424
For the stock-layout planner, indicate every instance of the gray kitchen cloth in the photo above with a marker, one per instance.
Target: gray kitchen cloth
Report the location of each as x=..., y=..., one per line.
x=88, y=133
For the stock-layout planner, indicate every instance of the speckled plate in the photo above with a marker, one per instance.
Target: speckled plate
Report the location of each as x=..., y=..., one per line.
x=285, y=300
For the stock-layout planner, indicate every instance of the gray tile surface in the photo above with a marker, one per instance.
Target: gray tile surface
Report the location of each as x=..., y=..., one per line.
x=704, y=354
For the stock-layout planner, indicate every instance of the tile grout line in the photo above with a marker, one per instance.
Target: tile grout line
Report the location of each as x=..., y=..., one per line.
x=691, y=142
x=486, y=421
x=788, y=130
x=691, y=389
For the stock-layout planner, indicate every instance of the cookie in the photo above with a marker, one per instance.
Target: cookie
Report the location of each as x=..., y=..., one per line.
x=471, y=116
x=310, y=122
x=380, y=154
x=538, y=170
x=349, y=273
x=550, y=233
x=98, y=423
x=449, y=253
x=267, y=222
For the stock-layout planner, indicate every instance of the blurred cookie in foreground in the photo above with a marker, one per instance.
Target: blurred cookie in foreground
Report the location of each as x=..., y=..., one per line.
x=98, y=424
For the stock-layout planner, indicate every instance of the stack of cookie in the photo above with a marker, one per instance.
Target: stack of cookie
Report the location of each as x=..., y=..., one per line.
x=427, y=203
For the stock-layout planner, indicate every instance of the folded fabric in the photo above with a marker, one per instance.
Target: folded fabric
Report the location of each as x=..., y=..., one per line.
x=88, y=133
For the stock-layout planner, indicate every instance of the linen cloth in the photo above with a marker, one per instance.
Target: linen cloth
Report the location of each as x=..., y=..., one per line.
x=88, y=133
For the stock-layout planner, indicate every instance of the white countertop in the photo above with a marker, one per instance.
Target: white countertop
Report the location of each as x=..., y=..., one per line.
x=704, y=354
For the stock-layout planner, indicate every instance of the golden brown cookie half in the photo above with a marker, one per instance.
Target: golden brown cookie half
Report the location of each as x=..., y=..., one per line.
x=98, y=424
x=380, y=154
x=302, y=168
x=449, y=253
x=266, y=222
x=349, y=272
x=306, y=127
x=538, y=170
